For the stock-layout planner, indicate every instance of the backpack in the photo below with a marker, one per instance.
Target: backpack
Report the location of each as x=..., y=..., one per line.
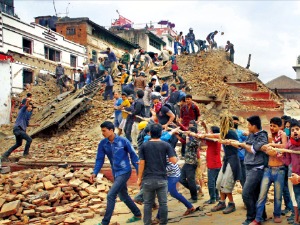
x=171, y=107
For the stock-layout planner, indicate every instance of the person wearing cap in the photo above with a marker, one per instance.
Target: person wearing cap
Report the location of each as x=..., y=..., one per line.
x=140, y=82
x=190, y=39
x=211, y=38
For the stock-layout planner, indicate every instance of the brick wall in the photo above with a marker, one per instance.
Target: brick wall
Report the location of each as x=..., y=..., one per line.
x=80, y=35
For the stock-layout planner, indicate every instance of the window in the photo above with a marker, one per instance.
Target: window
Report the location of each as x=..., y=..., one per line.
x=27, y=46
x=94, y=56
x=135, y=39
x=73, y=61
x=27, y=77
x=52, y=54
x=298, y=60
x=71, y=30
x=154, y=43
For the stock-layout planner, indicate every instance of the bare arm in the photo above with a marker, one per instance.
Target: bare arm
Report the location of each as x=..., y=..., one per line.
x=141, y=171
x=173, y=159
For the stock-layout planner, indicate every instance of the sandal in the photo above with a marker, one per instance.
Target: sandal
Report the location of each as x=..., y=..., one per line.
x=189, y=211
x=133, y=219
x=155, y=221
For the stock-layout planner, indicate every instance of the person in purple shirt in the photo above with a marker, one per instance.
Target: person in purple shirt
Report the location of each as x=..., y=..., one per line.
x=118, y=150
x=19, y=129
x=112, y=59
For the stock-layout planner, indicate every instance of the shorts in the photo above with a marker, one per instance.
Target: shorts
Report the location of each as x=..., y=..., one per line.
x=225, y=182
x=122, y=124
x=117, y=120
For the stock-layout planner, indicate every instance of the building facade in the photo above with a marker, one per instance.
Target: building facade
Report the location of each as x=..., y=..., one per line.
x=167, y=35
x=35, y=48
x=95, y=37
x=146, y=39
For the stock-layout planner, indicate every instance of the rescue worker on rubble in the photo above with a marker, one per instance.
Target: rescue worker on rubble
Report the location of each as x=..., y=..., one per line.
x=19, y=130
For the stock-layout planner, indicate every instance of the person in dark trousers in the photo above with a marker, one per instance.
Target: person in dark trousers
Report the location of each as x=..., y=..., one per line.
x=188, y=172
x=108, y=86
x=118, y=150
x=230, y=47
x=92, y=70
x=242, y=137
x=153, y=174
x=255, y=161
x=19, y=130
x=132, y=122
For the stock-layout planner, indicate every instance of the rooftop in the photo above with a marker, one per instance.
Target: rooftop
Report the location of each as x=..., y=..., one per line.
x=86, y=19
x=283, y=82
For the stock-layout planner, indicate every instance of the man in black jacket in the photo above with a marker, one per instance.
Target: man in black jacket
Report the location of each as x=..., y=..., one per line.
x=137, y=109
x=255, y=161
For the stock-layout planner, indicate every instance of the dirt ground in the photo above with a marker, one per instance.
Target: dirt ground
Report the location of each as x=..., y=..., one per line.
x=175, y=209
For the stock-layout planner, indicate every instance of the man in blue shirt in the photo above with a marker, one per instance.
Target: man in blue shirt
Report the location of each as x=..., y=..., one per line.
x=117, y=149
x=19, y=129
x=109, y=85
x=112, y=59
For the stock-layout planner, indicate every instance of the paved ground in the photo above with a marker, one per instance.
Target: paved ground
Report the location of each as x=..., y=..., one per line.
x=176, y=209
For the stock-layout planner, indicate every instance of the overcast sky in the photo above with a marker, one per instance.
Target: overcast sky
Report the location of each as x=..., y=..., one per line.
x=269, y=30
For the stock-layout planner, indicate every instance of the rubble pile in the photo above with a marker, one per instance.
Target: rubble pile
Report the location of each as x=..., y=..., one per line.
x=208, y=74
x=51, y=196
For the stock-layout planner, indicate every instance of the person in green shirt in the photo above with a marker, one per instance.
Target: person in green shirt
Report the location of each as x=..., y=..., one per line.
x=126, y=58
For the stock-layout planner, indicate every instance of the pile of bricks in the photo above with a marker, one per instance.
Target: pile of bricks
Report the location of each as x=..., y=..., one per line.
x=51, y=196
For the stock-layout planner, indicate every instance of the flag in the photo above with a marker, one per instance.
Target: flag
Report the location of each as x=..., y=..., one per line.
x=121, y=21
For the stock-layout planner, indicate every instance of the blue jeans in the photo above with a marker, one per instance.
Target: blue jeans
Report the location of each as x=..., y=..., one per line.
x=172, y=181
x=251, y=191
x=188, y=46
x=188, y=179
x=151, y=188
x=286, y=193
x=117, y=120
x=119, y=188
x=212, y=175
x=108, y=91
x=271, y=175
x=81, y=84
x=20, y=135
x=176, y=44
x=297, y=195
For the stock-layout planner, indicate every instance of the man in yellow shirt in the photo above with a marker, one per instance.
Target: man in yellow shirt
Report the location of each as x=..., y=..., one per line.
x=123, y=77
x=123, y=105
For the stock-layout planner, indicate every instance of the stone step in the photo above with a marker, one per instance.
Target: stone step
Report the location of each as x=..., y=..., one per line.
x=245, y=85
x=261, y=103
x=258, y=94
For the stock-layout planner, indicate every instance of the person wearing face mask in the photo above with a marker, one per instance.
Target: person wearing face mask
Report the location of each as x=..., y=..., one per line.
x=287, y=126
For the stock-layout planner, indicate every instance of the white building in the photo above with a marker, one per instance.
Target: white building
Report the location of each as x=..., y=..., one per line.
x=35, y=48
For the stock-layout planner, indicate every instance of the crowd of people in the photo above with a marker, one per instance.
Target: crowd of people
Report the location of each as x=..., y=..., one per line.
x=252, y=157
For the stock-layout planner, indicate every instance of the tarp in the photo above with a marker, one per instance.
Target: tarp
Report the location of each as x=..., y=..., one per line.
x=6, y=57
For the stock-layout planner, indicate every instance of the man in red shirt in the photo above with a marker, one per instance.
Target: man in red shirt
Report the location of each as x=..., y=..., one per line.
x=213, y=161
x=189, y=111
